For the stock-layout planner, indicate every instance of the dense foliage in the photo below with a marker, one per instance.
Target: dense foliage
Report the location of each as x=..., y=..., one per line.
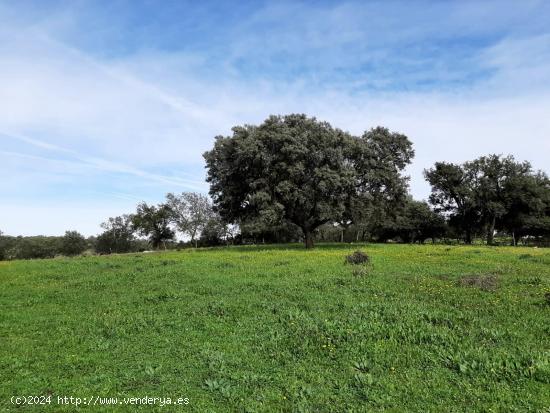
x=492, y=193
x=72, y=243
x=303, y=171
x=153, y=222
x=118, y=236
x=191, y=213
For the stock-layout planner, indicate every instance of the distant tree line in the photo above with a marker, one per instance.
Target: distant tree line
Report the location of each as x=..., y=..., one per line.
x=296, y=179
x=190, y=214
x=150, y=226
x=72, y=243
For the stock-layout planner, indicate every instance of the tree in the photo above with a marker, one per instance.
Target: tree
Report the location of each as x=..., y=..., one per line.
x=378, y=158
x=453, y=193
x=5, y=244
x=118, y=236
x=293, y=168
x=73, y=243
x=420, y=222
x=154, y=223
x=215, y=232
x=413, y=221
x=190, y=213
x=493, y=177
x=527, y=199
x=491, y=193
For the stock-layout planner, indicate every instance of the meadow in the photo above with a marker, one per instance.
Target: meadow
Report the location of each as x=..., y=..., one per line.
x=278, y=328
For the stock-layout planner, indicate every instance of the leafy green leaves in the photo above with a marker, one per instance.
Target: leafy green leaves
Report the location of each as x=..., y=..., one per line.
x=300, y=170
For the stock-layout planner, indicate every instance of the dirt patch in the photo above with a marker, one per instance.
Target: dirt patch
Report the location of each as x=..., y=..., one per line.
x=483, y=282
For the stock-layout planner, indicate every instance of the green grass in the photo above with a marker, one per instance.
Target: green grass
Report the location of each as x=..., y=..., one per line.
x=279, y=328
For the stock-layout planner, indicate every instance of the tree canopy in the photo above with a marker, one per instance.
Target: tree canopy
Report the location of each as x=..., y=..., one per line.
x=73, y=243
x=491, y=193
x=300, y=170
x=154, y=222
x=190, y=213
x=118, y=236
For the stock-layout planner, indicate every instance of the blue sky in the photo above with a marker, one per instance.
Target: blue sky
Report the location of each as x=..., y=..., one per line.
x=107, y=103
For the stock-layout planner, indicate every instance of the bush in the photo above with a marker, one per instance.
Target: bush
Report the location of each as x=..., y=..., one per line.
x=358, y=257
x=73, y=243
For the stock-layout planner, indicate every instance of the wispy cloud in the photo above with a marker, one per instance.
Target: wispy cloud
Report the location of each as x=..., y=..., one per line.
x=100, y=164
x=35, y=142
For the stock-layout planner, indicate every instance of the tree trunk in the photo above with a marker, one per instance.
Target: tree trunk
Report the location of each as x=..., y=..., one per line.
x=514, y=238
x=193, y=235
x=308, y=238
x=468, y=239
x=491, y=232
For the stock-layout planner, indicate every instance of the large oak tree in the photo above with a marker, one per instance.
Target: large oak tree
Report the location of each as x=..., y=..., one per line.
x=297, y=169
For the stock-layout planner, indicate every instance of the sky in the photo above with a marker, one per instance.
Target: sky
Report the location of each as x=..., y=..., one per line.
x=104, y=104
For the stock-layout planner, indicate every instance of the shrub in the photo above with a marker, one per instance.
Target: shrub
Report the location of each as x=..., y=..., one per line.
x=358, y=257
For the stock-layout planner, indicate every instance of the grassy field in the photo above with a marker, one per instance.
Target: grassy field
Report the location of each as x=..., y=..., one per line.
x=261, y=329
